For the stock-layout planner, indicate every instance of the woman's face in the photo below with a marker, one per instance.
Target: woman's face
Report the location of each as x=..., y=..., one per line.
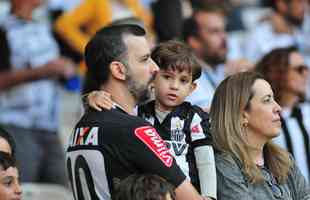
x=262, y=118
x=297, y=75
x=5, y=146
x=9, y=184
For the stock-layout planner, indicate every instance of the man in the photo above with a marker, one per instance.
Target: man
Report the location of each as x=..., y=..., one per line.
x=108, y=146
x=205, y=33
x=282, y=29
x=29, y=96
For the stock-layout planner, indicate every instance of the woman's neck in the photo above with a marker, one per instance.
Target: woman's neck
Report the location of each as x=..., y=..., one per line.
x=257, y=156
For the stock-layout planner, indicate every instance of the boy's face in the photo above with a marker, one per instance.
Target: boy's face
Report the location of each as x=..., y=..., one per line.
x=172, y=87
x=9, y=185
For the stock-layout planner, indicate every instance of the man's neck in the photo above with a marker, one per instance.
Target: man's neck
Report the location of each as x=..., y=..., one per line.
x=206, y=65
x=122, y=97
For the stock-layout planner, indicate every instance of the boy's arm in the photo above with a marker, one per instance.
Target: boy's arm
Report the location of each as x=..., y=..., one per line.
x=98, y=100
x=206, y=170
x=203, y=151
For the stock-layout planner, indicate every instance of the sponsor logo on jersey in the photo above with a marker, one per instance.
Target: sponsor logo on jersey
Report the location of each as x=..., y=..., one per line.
x=196, y=129
x=155, y=143
x=85, y=136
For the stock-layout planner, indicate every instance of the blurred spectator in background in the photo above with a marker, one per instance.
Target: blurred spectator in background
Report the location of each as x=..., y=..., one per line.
x=144, y=187
x=29, y=94
x=168, y=19
x=56, y=8
x=244, y=119
x=281, y=29
x=9, y=180
x=7, y=143
x=78, y=25
x=205, y=33
x=285, y=70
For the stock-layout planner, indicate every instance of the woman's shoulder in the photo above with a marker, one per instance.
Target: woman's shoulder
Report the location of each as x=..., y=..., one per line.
x=228, y=166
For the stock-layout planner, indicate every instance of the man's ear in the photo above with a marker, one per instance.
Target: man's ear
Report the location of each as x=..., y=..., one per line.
x=118, y=70
x=193, y=42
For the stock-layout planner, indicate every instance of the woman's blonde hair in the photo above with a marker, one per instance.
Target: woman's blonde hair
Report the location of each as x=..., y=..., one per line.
x=231, y=98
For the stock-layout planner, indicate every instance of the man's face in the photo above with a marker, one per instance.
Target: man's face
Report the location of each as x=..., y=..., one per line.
x=212, y=36
x=31, y=3
x=141, y=69
x=295, y=11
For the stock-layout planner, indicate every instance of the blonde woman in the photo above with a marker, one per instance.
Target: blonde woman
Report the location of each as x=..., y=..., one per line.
x=244, y=119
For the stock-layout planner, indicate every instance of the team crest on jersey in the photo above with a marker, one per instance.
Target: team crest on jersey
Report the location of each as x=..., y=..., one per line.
x=85, y=136
x=155, y=143
x=177, y=133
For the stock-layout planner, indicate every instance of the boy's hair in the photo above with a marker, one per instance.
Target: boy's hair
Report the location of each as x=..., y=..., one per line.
x=6, y=161
x=9, y=138
x=144, y=187
x=176, y=55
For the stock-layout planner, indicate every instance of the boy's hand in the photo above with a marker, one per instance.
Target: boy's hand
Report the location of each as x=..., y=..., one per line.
x=99, y=99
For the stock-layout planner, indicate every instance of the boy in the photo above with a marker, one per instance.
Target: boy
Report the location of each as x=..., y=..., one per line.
x=184, y=127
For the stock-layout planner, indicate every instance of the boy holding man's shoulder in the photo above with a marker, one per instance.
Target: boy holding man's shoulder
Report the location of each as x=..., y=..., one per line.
x=184, y=127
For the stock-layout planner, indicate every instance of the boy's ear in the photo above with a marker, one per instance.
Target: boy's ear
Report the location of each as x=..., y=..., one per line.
x=193, y=87
x=118, y=70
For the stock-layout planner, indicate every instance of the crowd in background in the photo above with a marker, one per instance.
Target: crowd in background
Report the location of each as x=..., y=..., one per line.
x=42, y=53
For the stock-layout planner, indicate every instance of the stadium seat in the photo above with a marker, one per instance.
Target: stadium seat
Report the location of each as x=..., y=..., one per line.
x=39, y=191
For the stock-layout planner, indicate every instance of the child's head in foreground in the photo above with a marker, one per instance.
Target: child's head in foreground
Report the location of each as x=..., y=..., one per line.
x=144, y=187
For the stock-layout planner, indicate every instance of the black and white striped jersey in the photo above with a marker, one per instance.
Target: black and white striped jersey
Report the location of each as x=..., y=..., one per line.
x=183, y=129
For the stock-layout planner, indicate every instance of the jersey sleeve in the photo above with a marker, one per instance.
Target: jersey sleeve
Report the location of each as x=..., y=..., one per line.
x=148, y=152
x=199, y=128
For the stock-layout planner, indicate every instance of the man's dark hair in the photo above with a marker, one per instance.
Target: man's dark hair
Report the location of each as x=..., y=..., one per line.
x=190, y=28
x=8, y=137
x=6, y=161
x=105, y=47
x=273, y=3
x=178, y=56
x=144, y=187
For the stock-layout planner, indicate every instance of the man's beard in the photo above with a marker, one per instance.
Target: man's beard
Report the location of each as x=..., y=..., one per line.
x=214, y=60
x=141, y=92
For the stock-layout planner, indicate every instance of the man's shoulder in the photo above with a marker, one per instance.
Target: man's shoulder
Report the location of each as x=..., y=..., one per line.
x=112, y=118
